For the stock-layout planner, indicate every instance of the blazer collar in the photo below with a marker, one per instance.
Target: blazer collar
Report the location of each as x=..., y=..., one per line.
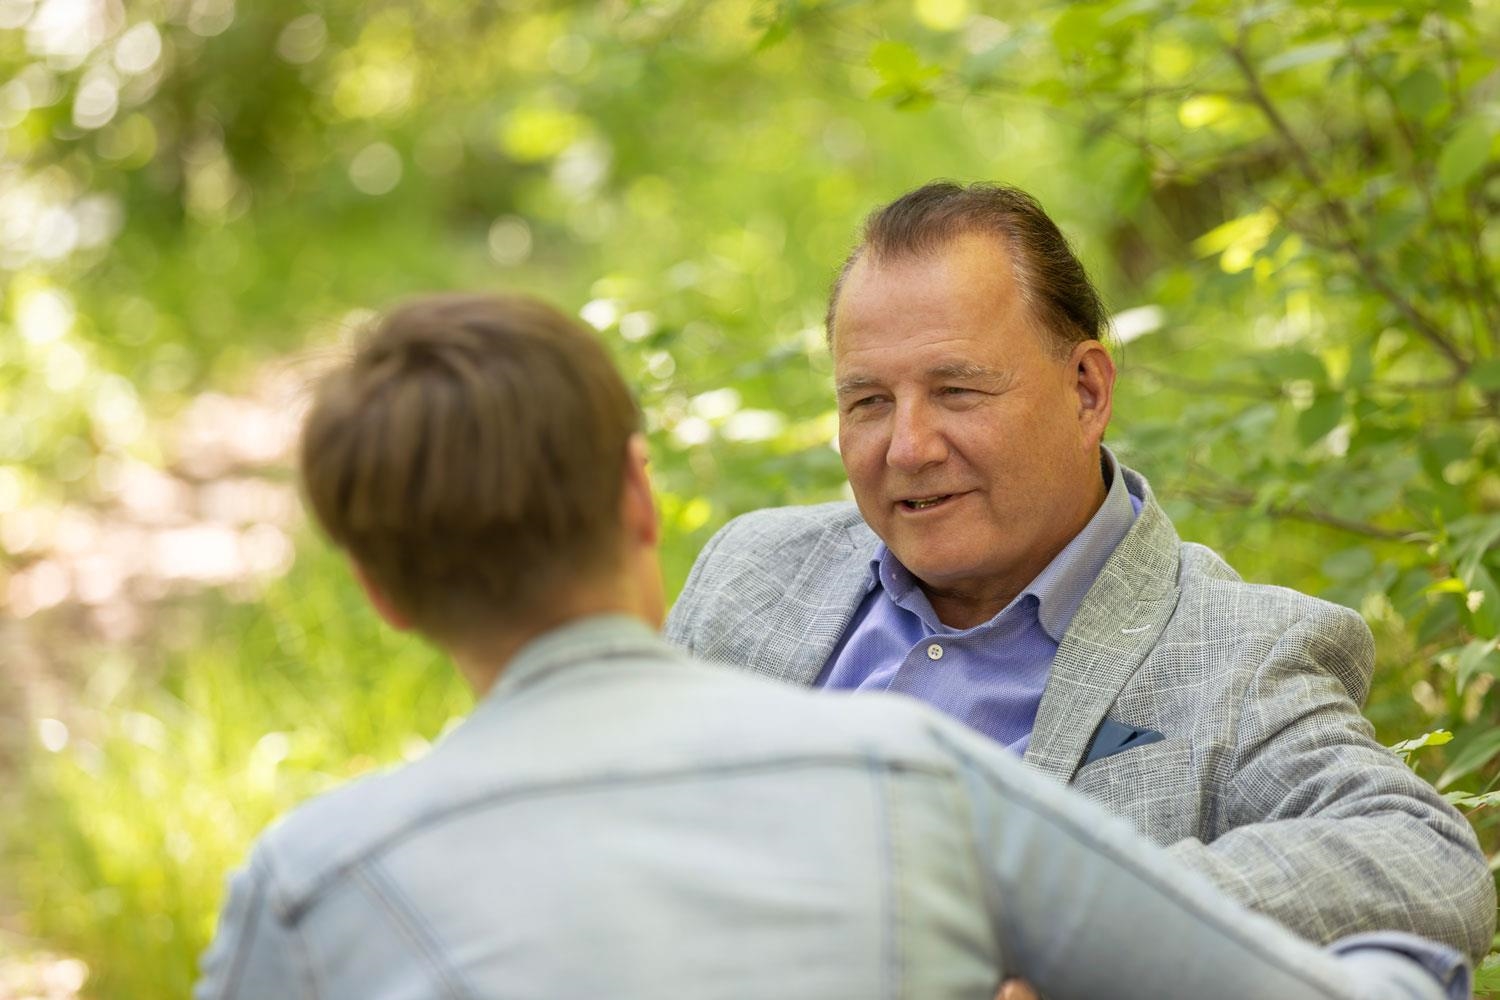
x=1116, y=627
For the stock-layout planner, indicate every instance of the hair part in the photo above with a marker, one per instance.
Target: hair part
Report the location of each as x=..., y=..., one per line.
x=470, y=458
x=1053, y=282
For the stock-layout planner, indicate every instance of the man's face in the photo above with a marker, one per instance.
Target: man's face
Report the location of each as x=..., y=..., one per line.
x=971, y=446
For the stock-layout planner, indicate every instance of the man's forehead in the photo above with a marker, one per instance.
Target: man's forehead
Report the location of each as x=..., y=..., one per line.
x=986, y=251
x=971, y=269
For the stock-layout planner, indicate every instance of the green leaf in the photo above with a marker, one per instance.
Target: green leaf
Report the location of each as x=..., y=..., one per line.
x=904, y=75
x=897, y=62
x=1465, y=800
x=1487, y=976
x=1250, y=231
x=1486, y=375
x=1442, y=449
x=1436, y=738
x=1475, y=546
x=1477, y=657
x=1420, y=93
x=1483, y=603
x=1476, y=753
x=1286, y=366
x=1320, y=418
x=1077, y=30
x=1465, y=153
x=1302, y=55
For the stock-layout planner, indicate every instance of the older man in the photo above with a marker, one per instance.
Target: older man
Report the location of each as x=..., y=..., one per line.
x=1001, y=565
x=617, y=820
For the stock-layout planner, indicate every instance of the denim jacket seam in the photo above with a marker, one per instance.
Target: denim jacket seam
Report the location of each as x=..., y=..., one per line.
x=445, y=811
x=379, y=885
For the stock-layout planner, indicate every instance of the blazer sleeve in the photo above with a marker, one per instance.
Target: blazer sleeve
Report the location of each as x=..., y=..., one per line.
x=1084, y=906
x=1322, y=827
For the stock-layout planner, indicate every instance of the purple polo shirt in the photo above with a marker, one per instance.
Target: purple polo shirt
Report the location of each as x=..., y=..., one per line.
x=989, y=677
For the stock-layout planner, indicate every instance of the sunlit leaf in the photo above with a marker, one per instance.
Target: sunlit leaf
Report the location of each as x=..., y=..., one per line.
x=1203, y=109
x=1436, y=738
x=1467, y=800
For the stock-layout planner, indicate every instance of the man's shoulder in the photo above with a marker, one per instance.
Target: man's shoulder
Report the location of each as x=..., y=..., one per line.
x=1233, y=625
x=1237, y=626
x=1211, y=586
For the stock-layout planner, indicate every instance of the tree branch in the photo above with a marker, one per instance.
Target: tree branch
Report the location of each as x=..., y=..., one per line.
x=1341, y=215
x=1234, y=496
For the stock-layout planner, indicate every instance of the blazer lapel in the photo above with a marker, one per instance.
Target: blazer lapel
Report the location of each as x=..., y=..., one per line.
x=1114, y=630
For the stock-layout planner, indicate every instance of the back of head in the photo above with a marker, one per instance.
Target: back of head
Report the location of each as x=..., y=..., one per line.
x=469, y=458
x=926, y=221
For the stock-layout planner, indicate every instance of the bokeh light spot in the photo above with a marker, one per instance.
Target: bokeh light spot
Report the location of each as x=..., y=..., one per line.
x=376, y=169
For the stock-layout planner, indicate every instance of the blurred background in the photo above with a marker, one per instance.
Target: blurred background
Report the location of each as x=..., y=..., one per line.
x=1291, y=208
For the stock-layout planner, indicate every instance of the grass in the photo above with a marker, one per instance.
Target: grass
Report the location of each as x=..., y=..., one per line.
x=176, y=760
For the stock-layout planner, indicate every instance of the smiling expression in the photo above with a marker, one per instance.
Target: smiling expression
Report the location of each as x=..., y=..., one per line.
x=971, y=442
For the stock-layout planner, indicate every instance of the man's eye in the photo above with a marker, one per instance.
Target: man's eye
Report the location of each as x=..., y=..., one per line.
x=955, y=390
x=864, y=402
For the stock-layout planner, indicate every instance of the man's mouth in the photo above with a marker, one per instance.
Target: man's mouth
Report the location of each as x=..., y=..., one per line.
x=922, y=503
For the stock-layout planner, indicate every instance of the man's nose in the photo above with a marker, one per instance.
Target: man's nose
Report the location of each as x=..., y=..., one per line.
x=916, y=439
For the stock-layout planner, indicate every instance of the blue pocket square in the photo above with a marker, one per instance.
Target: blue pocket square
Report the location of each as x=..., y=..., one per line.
x=1114, y=737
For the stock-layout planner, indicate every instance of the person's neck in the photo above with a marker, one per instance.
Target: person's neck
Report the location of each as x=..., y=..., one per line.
x=481, y=661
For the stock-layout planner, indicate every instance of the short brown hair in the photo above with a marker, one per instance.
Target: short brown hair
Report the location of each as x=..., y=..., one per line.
x=470, y=456
x=1056, y=286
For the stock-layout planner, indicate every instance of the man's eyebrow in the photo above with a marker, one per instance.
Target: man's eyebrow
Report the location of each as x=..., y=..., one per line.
x=855, y=383
x=967, y=371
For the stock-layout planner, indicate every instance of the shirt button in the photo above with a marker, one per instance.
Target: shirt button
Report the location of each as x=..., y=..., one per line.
x=934, y=652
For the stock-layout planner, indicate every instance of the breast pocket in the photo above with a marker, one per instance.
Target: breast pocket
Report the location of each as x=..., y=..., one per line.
x=1154, y=786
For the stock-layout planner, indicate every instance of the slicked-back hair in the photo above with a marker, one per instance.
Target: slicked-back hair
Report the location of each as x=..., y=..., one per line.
x=1056, y=288
x=470, y=458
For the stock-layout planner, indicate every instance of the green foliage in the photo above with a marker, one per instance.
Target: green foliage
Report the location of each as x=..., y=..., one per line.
x=1303, y=193
x=161, y=786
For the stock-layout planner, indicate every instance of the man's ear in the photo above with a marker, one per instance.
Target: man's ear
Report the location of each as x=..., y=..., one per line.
x=637, y=506
x=1096, y=387
x=384, y=607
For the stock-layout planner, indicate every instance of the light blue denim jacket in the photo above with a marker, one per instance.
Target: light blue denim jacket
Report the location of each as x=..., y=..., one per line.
x=617, y=820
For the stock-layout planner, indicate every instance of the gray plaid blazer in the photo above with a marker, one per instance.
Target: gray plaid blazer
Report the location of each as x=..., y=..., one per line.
x=1269, y=780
